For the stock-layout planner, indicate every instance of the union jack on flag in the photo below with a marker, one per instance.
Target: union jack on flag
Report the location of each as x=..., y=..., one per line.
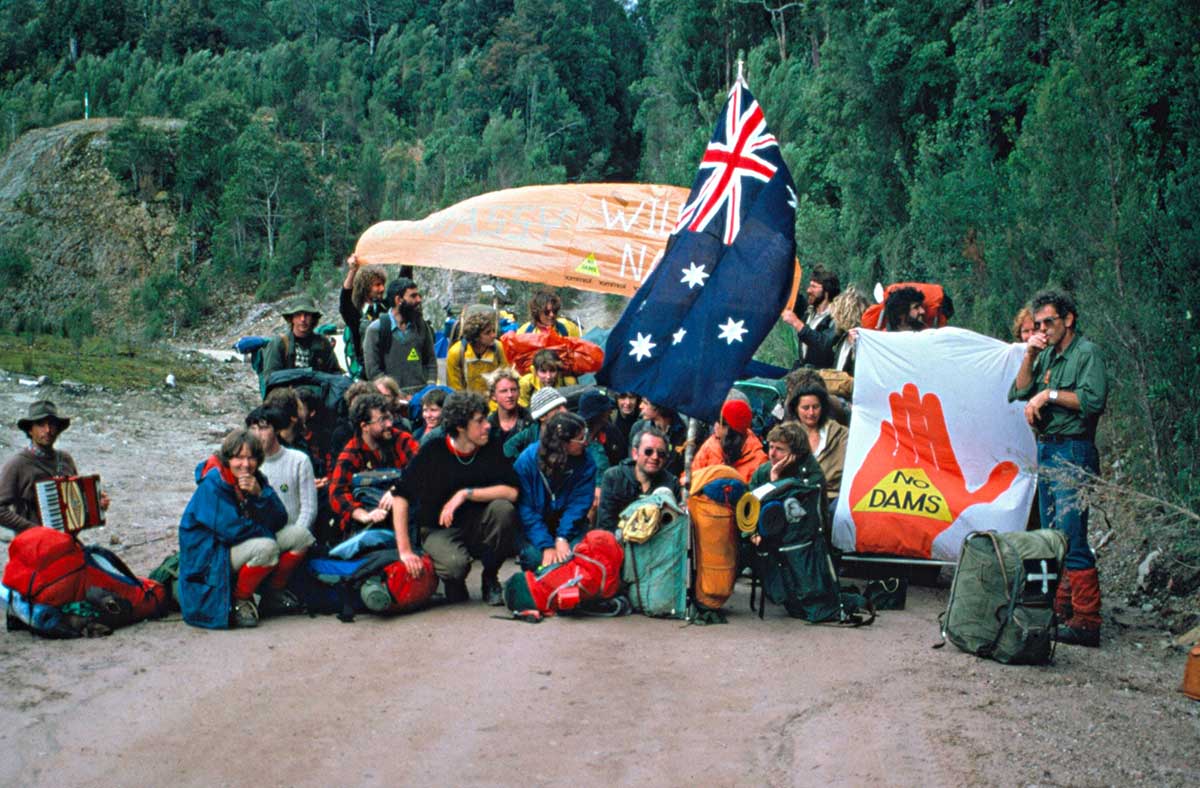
x=734, y=154
x=694, y=324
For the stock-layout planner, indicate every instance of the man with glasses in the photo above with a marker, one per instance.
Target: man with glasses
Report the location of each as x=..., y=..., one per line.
x=544, y=310
x=376, y=445
x=643, y=472
x=1063, y=380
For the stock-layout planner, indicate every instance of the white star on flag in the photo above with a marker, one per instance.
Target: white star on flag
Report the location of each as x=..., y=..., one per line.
x=679, y=335
x=694, y=276
x=641, y=346
x=731, y=331
x=791, y=198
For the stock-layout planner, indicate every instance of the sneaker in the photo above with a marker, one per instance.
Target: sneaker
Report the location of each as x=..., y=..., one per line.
x=493, y=593
x=375, y=595
x=245, y=614
x=455, y=591
x=279, y=602
x=1074, y=636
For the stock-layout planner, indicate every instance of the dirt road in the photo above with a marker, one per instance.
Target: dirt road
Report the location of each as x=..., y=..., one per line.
x=452, y=696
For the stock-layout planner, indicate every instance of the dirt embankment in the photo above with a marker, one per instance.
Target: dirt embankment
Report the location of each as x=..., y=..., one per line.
x=455, y=696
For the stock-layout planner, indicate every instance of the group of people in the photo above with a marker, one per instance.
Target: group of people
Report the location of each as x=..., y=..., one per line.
x=496, y=465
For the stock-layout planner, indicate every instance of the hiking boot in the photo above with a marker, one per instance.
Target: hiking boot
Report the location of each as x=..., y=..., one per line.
x=455, y=591
x=1075, y=636
x=245, y=614
x=490, y=589
x=375, y=595
x=279, y=602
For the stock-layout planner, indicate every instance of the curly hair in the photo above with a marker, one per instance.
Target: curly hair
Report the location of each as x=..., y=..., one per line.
x=501, y=373
x=848, y=308
x=794, y=437
x=458, y=410
x=366, y=277
x=820, y=392
x=1025, y=314
x=360, y=409
x=1062, y=302
x=898, y=304
x=233, y=443
x=477, y=322
x=559, y=430
x=547, y=359
x=542, y=299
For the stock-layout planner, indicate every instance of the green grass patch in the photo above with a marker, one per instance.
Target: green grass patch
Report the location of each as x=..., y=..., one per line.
x=96, y=361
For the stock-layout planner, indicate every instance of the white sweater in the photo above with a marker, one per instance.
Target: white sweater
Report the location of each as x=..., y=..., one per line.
x=290, y=473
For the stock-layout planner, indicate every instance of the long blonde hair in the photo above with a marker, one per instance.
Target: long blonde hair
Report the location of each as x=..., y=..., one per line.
x=847, y=308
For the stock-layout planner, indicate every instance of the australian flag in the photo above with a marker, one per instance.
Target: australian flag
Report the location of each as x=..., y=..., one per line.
x=696, y=321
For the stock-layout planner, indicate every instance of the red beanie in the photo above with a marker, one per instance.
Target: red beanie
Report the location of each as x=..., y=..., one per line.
x=737, y=415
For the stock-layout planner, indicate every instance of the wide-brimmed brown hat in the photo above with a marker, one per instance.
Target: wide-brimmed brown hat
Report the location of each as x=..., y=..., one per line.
x=301, y=303
x=40, y=411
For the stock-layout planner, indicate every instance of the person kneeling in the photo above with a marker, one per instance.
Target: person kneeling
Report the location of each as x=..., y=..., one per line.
x=231, y=536
x=558, y=477
x=464, y=491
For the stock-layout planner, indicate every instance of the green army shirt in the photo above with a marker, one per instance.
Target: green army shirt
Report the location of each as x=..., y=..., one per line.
x=1079, y=368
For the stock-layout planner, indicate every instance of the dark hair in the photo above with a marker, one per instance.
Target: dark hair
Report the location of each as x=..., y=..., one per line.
x=732, y=444
x=437, y=397
x=360, y=409
x=542, y=299
x=662, y=410
x=397, y=288
x=364, y=279
x=647, y=428
x=284, y=399
x=557, y=431
x=458, y=410
x=895, y=308
x=311, y=399
x=820, y=392
x=267, y=415
x=232, y=445
x=1062, y=302
x=544, y=359
x=828, y=281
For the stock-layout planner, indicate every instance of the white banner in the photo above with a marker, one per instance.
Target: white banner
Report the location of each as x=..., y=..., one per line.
x=935, y=450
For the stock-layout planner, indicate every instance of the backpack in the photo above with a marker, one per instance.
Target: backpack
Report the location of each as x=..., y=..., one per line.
x=46, y=566
x=352, y=352
x=715, y=490
x=1001, y=603
x=792, y=560
x=593, y=573
x=655, y=572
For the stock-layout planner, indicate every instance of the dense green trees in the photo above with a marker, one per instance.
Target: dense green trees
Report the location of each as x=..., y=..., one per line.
x=995, y=147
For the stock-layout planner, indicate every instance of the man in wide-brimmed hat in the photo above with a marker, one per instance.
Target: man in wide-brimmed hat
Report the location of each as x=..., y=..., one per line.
x=300, y=345
x=35, y=463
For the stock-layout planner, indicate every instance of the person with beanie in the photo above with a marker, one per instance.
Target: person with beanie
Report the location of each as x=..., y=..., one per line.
x=732, y=442
x=545, y=403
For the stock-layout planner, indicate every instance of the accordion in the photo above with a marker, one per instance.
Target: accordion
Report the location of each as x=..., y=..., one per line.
x=70, y=503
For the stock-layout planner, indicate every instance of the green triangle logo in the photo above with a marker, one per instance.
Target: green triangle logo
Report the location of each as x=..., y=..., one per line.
x=413, y=355
x=588, y=266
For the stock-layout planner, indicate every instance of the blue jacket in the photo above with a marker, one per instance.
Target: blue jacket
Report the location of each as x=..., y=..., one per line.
x=568, y=503
x=213, y=522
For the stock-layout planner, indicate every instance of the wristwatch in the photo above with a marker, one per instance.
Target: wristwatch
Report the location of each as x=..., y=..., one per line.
x=1053, y=396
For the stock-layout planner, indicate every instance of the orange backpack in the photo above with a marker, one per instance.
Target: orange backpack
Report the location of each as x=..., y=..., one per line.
x=714, y=538
x=934, y=296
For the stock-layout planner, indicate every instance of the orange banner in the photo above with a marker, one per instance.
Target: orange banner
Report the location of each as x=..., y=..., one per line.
x=605, y=237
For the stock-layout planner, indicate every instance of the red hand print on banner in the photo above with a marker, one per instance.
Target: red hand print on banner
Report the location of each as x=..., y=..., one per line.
x=910, y=487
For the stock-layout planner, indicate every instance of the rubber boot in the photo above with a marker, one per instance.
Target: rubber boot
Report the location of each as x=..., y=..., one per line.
x=1083, y=628
x=249, y=578
x=1062, y=599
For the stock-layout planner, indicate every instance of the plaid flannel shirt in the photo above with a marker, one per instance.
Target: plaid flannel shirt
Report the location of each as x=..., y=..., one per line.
x=356, y=457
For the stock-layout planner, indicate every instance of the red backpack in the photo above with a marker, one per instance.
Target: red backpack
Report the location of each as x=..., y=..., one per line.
x=934, y=295
x=46, y=567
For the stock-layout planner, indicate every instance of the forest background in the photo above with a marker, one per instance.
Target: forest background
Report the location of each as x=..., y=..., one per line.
x=993, y=147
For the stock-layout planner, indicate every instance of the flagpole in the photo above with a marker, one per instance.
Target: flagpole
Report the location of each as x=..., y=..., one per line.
x=689, y=453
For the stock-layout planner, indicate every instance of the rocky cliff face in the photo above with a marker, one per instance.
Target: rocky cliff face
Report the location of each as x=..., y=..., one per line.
x=88, y=243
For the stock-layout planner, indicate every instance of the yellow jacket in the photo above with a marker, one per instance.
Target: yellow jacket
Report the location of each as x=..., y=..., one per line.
x=465, y=370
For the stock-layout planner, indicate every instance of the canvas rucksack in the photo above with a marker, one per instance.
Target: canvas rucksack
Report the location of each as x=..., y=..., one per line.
x=655, y=572
x=792, y=560
x=715, y=491
x=1002, y=600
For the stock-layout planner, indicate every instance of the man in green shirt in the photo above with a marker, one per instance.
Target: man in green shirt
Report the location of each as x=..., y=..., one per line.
x=1062, y=378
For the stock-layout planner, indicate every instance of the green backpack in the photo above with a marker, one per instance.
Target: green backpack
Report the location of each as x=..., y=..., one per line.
x=655, y=572
x=1002, y=600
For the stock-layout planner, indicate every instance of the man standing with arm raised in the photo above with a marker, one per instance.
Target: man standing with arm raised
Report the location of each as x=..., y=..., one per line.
x=465, y=492
x=1063, y=379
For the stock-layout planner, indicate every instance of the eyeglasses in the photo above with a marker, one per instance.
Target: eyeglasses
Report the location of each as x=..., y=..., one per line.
x=1047, y=322
x=581, y=439
x=383, y=420
x=654, y=453
x=550, y=311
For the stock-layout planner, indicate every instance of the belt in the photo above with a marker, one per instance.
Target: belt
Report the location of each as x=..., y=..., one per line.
x=1062, y=438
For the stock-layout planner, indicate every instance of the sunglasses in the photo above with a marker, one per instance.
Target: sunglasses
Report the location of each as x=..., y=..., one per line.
x=654, y=453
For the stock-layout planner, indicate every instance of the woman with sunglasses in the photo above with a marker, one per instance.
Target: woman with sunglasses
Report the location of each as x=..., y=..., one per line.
x=544, y=310
x=558, y=477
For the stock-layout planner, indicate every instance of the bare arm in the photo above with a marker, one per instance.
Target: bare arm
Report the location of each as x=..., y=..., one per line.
x=403, y=544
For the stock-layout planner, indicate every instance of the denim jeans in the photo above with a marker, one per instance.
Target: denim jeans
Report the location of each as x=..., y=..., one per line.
x=1057, y=502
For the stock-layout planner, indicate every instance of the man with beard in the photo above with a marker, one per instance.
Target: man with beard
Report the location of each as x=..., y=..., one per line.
x=400, y=343
x=643, y=472
x=376, y=445
x=464, y=492
x=1063, y=379
x=817, y=332
x=36, y=462
x=904, y=310
x=300, y=346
